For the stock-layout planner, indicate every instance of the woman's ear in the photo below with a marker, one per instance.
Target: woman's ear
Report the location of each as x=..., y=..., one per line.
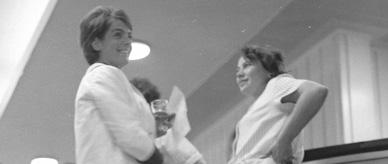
x=96, y=44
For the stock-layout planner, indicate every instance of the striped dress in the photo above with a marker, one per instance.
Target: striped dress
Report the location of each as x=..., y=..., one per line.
x=258, y=129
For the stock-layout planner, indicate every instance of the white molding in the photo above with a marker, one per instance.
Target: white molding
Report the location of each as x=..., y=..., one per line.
x=18, y=68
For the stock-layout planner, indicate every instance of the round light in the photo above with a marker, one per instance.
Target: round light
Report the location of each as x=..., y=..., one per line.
x=44, y=161
x=139, y=50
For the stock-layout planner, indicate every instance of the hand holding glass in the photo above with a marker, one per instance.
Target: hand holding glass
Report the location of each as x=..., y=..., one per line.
x=162, y=118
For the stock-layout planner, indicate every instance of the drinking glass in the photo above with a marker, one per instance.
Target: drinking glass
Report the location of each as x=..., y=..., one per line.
x=162, y=117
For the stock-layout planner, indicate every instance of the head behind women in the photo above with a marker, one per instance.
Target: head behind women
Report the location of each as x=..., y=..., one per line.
x=256, y=67
x=148, y=89
x=95, y=36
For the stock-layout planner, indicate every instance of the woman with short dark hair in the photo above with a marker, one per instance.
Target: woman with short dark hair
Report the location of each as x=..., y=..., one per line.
x=269, y=131
x=113, y=123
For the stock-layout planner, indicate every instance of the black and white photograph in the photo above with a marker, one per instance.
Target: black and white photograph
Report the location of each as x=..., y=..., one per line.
x=194, y=82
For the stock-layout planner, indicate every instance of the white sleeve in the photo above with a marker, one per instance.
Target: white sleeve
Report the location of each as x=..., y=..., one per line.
x=285, y=85
x=118, y=110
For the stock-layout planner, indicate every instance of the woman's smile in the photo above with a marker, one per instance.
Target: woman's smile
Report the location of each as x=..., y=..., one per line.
x=242, y=83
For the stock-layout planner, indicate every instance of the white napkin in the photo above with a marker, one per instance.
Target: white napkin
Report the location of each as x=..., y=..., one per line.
x=177, y=105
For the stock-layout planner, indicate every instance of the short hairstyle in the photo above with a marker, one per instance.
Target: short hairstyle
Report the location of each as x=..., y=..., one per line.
x=149, y=90
x=95, y=25
x=270, y=59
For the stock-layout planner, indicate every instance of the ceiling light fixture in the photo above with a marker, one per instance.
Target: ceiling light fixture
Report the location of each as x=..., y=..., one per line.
x=140, y=50
x=43, y=160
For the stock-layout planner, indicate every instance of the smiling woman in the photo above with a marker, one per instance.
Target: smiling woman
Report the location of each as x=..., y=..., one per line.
x=22, y=24
x=269, y=132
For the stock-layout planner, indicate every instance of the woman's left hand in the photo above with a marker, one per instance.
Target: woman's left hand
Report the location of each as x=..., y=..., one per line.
x=281, y=153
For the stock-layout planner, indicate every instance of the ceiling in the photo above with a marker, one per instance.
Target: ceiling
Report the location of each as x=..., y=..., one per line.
x=191, y=39
x=194, y=45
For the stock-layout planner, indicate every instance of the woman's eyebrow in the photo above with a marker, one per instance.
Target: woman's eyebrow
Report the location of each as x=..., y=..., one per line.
x=117, y=30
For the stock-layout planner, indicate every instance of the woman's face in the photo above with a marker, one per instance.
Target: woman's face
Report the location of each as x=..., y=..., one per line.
x=251, y=77
x=115, y=47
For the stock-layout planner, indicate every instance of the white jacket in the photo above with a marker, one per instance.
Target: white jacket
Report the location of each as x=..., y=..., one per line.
x=113, y=123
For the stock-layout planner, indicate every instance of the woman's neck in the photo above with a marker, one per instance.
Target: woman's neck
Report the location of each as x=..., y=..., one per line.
x=108, y=63
x=259, y=91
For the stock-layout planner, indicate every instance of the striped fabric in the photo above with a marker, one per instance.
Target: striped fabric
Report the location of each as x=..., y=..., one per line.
x=259, y=127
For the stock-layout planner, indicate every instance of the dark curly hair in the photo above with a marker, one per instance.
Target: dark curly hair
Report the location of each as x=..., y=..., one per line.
x=149, y=90
x=270, y=59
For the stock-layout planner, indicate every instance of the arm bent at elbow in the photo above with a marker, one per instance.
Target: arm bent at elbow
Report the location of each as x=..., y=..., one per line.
x=308, y=99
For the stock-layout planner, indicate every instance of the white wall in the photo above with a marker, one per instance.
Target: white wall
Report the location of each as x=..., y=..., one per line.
x=321, y=64
x=380, y=56
x=354, y=109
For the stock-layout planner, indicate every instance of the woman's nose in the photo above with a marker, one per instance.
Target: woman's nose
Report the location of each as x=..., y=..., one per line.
x=127, y=41
x=239, y=74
